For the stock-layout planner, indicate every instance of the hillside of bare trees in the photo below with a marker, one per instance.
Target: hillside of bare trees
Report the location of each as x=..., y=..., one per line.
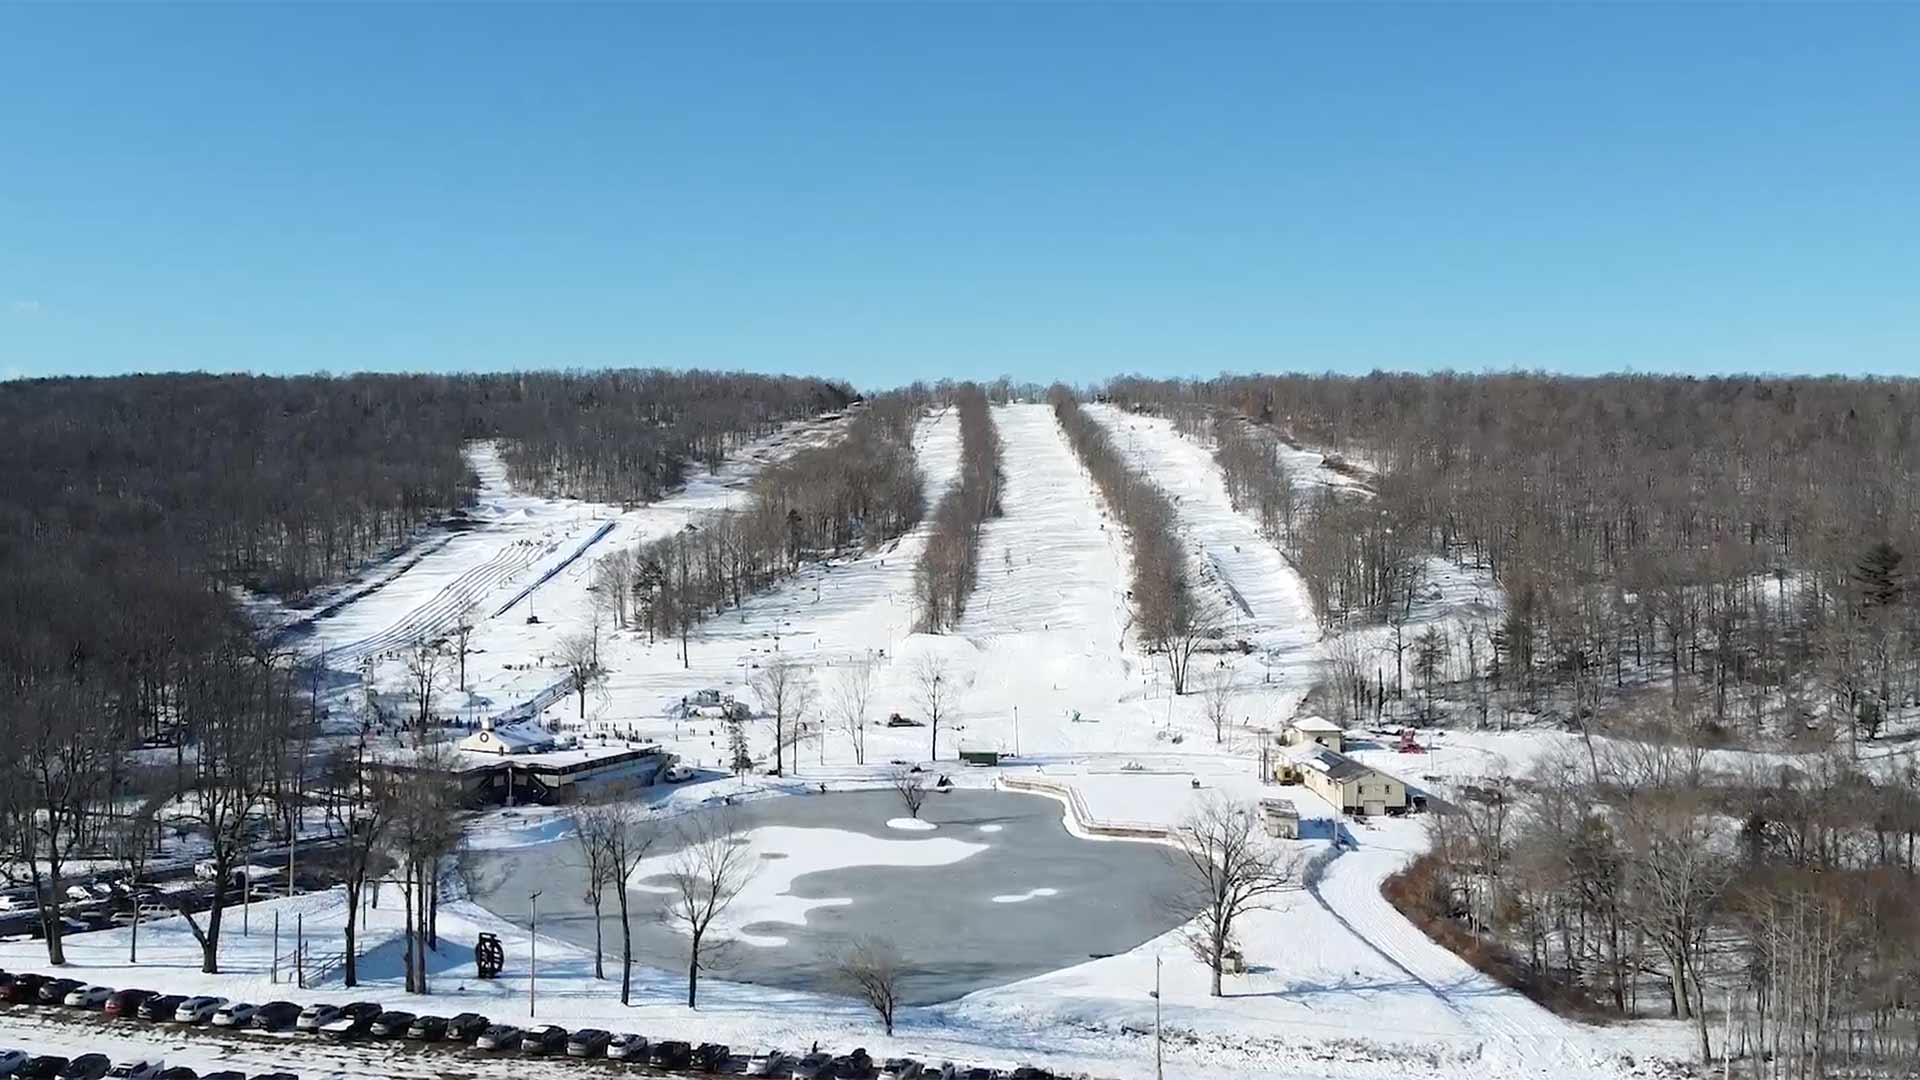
x=1637, y=881
x=861, y=490
x=134, y=505
x=950, y=565
x=1740, y=547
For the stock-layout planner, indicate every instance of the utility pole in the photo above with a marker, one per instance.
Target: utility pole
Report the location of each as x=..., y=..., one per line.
x=533, y=951
x=1016, y=731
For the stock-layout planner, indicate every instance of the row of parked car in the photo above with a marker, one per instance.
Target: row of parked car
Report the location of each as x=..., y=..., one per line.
x=367, y=1019
x=20, y=1065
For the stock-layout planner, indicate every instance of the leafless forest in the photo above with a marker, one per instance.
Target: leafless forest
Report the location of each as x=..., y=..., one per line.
x=950, y=565
x=861, y=490
x=1686, y=564
x=132, y=507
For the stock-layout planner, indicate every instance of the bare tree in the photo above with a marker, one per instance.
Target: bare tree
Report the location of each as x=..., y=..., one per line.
x=593, y=824
x=612, y=585
x=786, y=692
x=132, y=841
x=60, y=752
x=934, y=689
x=363, y=799
x=426, y=829
x=425, y=672
x=713, y=866
x=629, y=834
x=1228, y=870
x=872, y=969
x=580, y=658
x=1219, y=699
x=911, y=785
x=1188, y=627
x=853, y=695
x=461, y=637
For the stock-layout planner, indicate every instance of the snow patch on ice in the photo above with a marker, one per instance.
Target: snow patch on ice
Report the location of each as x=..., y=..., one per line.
x=991, y=828
x=909, y=824
x=1021, y=898
x=768, y=896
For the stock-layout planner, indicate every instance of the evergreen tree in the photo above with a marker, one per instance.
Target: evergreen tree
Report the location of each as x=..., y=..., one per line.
x=1878, y=576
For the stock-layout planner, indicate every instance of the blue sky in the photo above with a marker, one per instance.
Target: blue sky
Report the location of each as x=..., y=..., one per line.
x=887, y=192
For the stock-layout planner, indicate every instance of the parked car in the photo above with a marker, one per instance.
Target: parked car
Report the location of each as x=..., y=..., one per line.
x=499, y=1037
x=900, y=1069
x=627, y=1046
x=315, y=1016
x=854, y=1066
x=275, y=1016
x=467, y=1027
x=427, y=1028
x=24, y=988
x=276, y=1076
x=678, y=774
x=125, y=1002
x=42, y=1067
x=545, y=1039
x=137, y=1070
x=87, y=1067
x=235, y=1014
x=391, y=1024
x=815, y=1066
x=588, y=1042
x=11, y=1060
x=672, y=1054
x=198, y=1010
x=354, y=1020
x=769, y=1063
x=55, y=991
x=712, y=1057
x=160, y=1007
x=225, y=1074
x=89, y=997
x=178, y=1072
x=1031, y=1072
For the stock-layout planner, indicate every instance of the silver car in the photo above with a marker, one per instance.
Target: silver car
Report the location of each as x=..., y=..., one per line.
x=198, y=1010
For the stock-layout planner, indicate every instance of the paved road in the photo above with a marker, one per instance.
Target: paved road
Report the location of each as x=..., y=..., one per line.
x=1108, y=897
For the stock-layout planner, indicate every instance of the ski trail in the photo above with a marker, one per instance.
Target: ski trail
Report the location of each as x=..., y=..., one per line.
x=1227, y=551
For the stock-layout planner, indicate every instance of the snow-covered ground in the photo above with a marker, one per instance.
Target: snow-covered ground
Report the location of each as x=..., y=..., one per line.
x=1339, y=985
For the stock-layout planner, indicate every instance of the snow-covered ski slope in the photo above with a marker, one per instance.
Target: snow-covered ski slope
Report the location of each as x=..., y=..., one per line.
x=1264, y=599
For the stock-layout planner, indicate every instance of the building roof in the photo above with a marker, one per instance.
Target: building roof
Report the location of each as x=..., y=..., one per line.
x=511, y=739
x=1338, y=767
x=1315, y=724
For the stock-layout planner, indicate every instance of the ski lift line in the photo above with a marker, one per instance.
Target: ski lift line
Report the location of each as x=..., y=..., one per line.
x=598, y=535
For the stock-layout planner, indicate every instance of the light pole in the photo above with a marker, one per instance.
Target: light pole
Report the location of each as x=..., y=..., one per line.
x=1016, y=731
x=533, y=951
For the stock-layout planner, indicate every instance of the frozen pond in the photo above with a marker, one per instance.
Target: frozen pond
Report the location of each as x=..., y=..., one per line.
x=997, y=891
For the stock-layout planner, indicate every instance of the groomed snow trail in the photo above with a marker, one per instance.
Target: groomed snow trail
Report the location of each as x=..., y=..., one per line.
x=1516, y=1030
x=1052, y=561
x=1265, y=599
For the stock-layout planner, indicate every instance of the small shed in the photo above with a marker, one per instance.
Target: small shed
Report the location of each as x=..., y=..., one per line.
x=1314, y=730
x=980, y=757
x=1282, y=818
